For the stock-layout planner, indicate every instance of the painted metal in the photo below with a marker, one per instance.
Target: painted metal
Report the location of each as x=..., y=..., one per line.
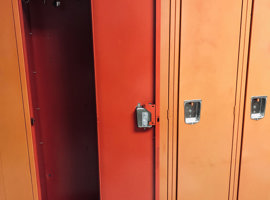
x=164, y=81
x=173, y=96
x=17, y=170
x=62, y=95
x=125, y=54
x=209, y=46
x=240, y=98
x=255, y=162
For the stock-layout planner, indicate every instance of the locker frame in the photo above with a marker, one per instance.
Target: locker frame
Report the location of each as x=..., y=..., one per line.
x=169, y=73
x=24, y=88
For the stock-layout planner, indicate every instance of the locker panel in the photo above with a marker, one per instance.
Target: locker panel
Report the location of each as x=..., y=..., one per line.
x=15, y=171
x=255, y=163
x=124, y=50
x=210, y=33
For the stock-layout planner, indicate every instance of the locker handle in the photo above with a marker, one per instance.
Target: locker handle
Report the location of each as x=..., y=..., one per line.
x=192, y=109
x=146, y=115
x=258, y=106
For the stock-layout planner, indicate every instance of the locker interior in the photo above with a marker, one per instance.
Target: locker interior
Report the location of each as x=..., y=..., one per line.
x=60, y=68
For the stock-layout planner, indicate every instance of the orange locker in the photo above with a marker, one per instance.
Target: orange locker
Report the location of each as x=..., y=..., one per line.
x=209, y=45
x=254, y=174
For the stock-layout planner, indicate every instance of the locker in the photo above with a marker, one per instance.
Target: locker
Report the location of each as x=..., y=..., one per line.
x=209, y=45
x=80, y=78
x=124, y=34
x=59, y=68
x=254, y=180
x=56, y=39
x=58, y=65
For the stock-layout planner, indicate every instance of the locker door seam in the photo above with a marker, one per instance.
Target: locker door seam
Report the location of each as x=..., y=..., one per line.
x=245, y=97
x=178, y=103
x=235, y=98
x=239, y=135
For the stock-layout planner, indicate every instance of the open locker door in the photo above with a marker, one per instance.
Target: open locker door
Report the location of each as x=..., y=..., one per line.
x=125, y=70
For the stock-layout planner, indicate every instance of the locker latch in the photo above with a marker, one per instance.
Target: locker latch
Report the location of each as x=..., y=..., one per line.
x=258, y=105
x=192, y=110
x=146, y=115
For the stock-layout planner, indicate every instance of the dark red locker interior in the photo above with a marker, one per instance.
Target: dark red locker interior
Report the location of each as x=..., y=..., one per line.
x=124, y=50
x=61, y=74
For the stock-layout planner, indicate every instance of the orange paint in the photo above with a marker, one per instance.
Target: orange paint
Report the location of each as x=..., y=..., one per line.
x=208, y=71
x=255, y=163
x=17, y=171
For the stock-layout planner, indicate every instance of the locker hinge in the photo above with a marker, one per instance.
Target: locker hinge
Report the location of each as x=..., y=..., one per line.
x=146, y=115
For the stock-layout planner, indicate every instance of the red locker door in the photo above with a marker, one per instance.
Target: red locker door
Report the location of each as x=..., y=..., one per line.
x=124, y=52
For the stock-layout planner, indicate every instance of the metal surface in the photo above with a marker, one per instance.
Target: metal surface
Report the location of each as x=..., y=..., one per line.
x=17, y=172
x=143, y=117
x=240, y=98
x=208, y=71
x=173, y=96
x=258, y=106
x=255, y=162
x=192, y=111
x=124, y=45
x=62, y=94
